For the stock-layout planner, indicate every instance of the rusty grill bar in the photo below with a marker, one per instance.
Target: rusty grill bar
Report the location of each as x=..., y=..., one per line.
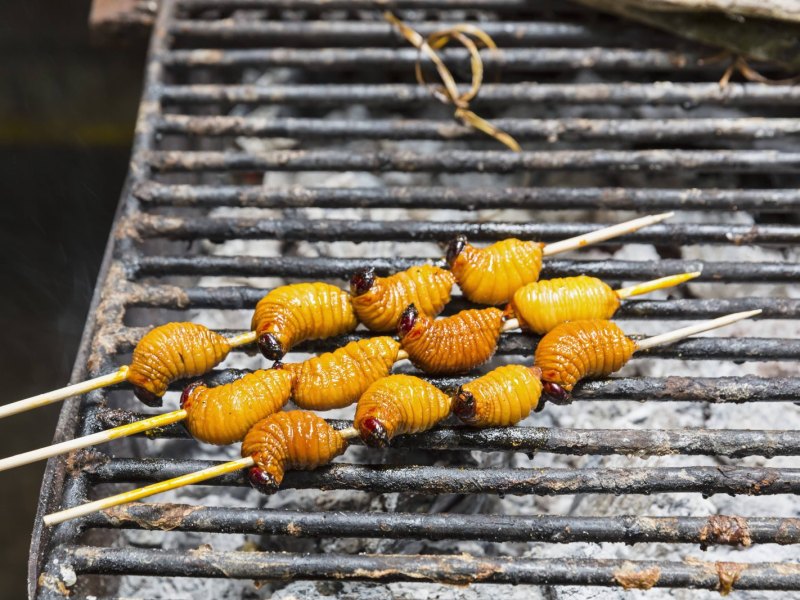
x=189, y=182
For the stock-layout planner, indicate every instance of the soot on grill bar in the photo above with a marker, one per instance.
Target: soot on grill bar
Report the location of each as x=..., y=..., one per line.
x=281, y=142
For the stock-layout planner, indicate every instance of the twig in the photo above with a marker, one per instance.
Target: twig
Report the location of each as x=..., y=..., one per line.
x=447, y=93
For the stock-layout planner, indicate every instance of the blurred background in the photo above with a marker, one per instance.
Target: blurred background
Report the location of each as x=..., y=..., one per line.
x=67, y=111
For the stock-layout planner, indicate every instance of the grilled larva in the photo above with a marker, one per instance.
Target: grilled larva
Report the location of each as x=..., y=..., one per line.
x=303, y=311
x=380, y=301
x=500, y=398
x=451, y=345
x=578, y=349
x=396, y=405
x=171, y=352
x=294, y=439
x=336, y=379
x=491, y=275
x=223, y=414
x=542, y=305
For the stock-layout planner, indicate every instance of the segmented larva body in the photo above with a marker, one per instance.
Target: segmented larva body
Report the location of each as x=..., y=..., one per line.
x=542, y=305
x=223, y=414
x=302, y=311
x=171, y=352
x=500, y=398
x=294, y=439
x=578, y=349
x=396, y=405
x=451, y=345
x=337, y=379
x=491, y=275
x=379, y=301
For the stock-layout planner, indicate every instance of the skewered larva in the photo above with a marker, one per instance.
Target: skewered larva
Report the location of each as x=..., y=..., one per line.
x=500, y=398
x=491, y=275
x=578, y=349
x=223, y=414
x=451, y=345
x=542, y=305
x=302, y=311
x=337, y=379
x=171, y=352
x=396, y=405
x=295, y=439
x=380, y=301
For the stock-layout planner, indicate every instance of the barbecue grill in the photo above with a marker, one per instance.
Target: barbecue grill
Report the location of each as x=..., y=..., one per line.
x=286, y=140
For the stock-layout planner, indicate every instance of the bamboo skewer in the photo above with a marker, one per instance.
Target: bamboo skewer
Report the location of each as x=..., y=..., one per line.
x=175, y=416
x=76, y=389
x=655, y=284
x=162, y=486
x=606, y=233
x=198, y=476
x=93, y=439
x=679, y=334
x=120, y=375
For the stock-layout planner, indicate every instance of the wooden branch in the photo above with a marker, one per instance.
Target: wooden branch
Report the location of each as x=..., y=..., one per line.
x=757, y=39
x=782, y=10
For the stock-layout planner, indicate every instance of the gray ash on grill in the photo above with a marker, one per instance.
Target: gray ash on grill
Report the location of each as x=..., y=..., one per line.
x=255, y=150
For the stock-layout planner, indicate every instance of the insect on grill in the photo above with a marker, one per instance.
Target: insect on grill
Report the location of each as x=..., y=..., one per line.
x=282, y=143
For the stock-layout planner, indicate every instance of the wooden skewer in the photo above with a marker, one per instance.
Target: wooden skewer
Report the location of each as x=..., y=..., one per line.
x=162, y=486
x=118, y=376
x=173, y=417
x=656, y=284
x=13, y=408
x=679, y=334
x=604, y=234
x=100, y=437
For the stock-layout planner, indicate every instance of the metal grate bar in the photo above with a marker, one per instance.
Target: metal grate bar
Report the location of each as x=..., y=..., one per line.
x=687, y=95
x=449, y=569
x=258, y=266
x=715, y=390
x=632, y=442
x=399, y=59
x=315, y=5
x=335, y=230
x=490, y=161
x=523, y=129
x=519, y=344
x=707, y=531
x=244, y=298
x=200, y=196
x=384, y=479
x=379, y=33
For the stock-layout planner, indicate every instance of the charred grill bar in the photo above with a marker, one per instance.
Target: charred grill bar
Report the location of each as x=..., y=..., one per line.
x=199, y=89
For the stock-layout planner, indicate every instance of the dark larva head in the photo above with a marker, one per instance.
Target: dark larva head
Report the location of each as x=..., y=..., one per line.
x=557, y=394
x=373, y=433
x=147, y=397
x=270, y=346
x=362, y=281
x=224, y=377
x=454, y=248
x=464, y=405
x=407, y=320
x=186, y=396
x=262, y=481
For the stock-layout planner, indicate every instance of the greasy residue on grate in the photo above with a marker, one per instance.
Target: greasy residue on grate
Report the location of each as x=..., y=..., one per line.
x=280, y=141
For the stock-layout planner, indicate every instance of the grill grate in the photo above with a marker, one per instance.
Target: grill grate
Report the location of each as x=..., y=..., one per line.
x=599, y=136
